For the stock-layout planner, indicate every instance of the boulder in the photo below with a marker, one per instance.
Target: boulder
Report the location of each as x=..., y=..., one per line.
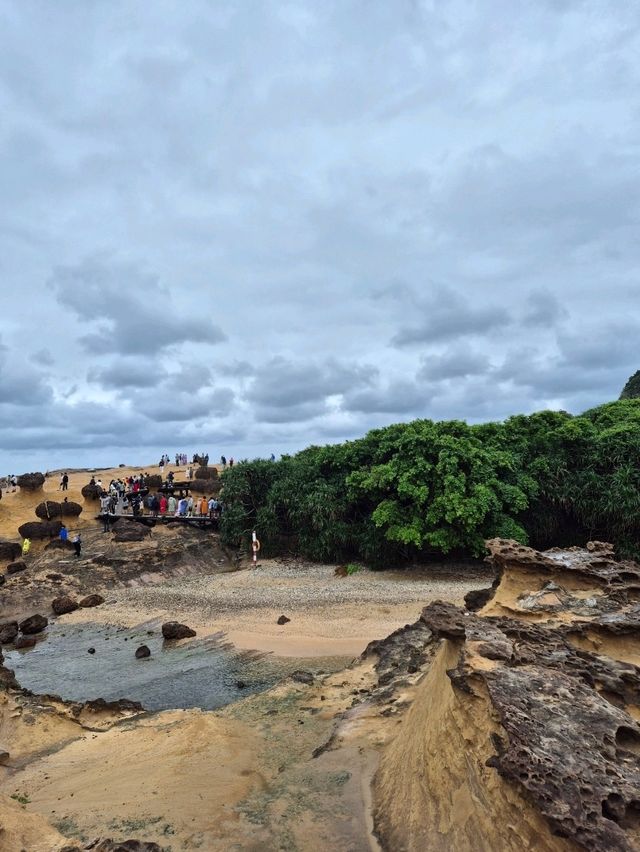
x=8, y=632
x=34, y=624
x=206, y=486
x=301, y=676
x=131, y=532
x=24, y=642
x=175, y=630
x=153, y=481
x=40, y=529
x=64, y=604
x=49, y=509
x=206, y=473
x=283, y=620
x=91, y=650
x=9, y=550
x=143, y=652
x=91, y=492
x=16, y=567
x=31, y=481
x=91, y=600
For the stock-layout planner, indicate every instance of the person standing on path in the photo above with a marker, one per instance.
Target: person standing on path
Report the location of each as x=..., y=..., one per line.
x=65, y=481
x=77, y=544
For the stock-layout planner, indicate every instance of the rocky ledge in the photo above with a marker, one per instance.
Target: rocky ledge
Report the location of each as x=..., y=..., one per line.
x=550, y=661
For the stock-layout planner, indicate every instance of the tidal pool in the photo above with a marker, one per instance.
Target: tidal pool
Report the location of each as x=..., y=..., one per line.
x=201, y=673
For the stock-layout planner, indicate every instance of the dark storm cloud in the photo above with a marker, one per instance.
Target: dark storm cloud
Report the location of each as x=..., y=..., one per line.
x=134, y=312
x=447, y=315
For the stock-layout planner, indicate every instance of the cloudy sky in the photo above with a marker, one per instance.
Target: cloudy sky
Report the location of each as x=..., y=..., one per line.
x=249, y=226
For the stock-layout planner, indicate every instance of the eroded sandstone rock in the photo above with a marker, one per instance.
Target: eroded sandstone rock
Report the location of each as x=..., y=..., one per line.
x=64, y=604
x=175, y=630
x=34, y=624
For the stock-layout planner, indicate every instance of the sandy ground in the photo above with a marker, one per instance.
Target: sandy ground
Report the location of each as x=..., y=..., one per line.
x=329, y=615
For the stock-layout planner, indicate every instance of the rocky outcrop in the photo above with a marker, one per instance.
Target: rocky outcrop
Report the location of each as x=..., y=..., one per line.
x=175, y=630
x=539, y=701
x=91, y=491
x=131, y=531
x=8, y=632
x=9, y=550
x=31, y=481
x=91, y=600
x=16, y=567
x=34, y=624
x=205, y=472
x=64, y=604
x=142, y=652
x=50, y=509
x=40, y=529
x=106, y=844
x=206, y=486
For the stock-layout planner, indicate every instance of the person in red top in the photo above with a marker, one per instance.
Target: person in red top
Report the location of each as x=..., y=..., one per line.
x=163, y=505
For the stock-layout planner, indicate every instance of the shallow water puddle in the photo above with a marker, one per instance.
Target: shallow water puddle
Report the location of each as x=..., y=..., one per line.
x=198, y=673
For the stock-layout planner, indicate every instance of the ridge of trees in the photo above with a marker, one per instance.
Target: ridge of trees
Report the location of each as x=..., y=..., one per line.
x=422, y=489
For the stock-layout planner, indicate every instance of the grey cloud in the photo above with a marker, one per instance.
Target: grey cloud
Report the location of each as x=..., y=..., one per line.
x=128, y=373
x=399, y=397
x=283, y=383
x=453, y=363
x=135, y=314
x=543, y=308
x=447, y=315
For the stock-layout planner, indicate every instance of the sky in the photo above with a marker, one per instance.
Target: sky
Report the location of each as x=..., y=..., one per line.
x=247, y=227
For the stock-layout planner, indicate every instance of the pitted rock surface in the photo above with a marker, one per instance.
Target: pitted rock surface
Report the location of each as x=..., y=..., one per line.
x=569, y=742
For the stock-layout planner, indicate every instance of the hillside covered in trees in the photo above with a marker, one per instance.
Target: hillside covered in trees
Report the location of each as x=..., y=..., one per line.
x=423, y=489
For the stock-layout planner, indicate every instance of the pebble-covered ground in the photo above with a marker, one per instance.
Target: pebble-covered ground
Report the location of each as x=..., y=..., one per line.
x=301, y=586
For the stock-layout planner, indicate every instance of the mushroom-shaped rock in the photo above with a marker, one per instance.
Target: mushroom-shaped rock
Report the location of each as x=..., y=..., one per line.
x=16, y=567
x=9, y=550
x=143, y=652
x=8, y=632
x=91, y=491
x=91, y=600
x=64, y=604
x=154, y=480
x=40, y=529
x=49, y=509
x=24, y=642
x=31, y=481
x=301, y=676
x=175, y=630
x=34, y=624
x=206, y=486
x=206, y=472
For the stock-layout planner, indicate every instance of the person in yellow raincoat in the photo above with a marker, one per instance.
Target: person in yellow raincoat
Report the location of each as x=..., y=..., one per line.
x=26, y=546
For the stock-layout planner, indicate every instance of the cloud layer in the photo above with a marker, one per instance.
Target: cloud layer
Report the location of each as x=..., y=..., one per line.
x=248, y=228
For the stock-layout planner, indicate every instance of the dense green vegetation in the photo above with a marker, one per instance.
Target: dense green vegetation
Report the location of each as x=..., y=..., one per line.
x=632, y=388
x=421, y=489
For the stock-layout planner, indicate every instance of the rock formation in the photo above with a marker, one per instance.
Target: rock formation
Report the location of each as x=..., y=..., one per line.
x=175, y=630
x=31, y=481
x=40, y=529
x=34, y=624
x=9, y=550
x=91, y=600
x=64, y=604
x=50, y=509
x=532, y=703
x=91, y=491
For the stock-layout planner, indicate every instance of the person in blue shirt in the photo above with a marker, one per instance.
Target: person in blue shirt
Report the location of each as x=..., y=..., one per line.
x=64, y=533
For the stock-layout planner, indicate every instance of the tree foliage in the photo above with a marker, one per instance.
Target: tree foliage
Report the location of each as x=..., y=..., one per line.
x=426, y=488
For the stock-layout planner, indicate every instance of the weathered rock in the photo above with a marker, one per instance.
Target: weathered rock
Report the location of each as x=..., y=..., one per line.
x=8, y=632
x=5, y=757
x=109, y=845
x=301, y=676
x=153, y=481
x=130, y=532
x=9, y=550
x=91, y=650
x=175, y=630
x=40, y=529
x=50, y=509
x=34, y=624
x=24, y=642
x=143, y=652
x=283, y=620
x=16, y=567
x=58, y=544
x=31, y=481
x=91, y=600
x=64, y=604
x=203, y=472
x=206, y=486
x=91, y=492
